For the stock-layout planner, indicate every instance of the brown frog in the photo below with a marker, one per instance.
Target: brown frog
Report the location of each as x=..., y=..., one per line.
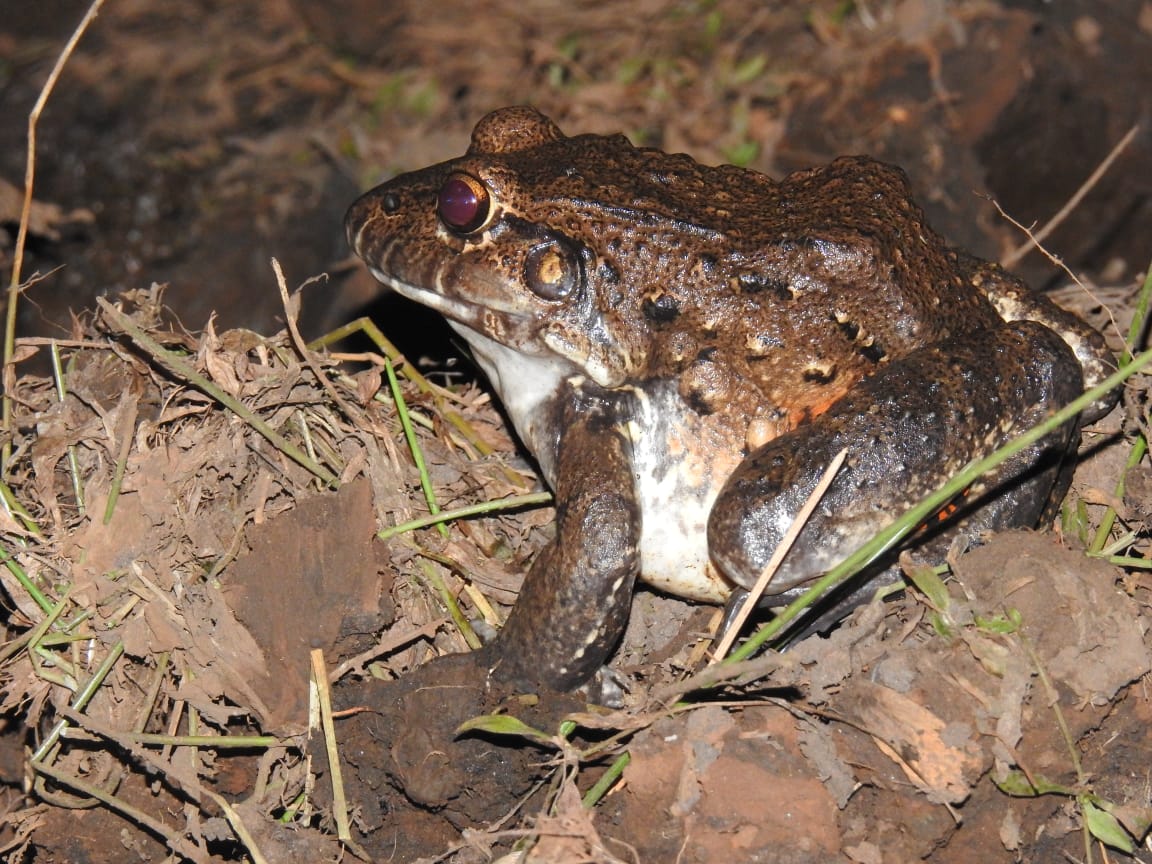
x=685, y=348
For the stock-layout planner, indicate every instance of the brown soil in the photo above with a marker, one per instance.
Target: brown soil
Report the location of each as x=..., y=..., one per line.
x=186, y=561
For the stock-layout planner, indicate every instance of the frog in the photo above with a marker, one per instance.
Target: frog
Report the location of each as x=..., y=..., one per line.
x=685, y=348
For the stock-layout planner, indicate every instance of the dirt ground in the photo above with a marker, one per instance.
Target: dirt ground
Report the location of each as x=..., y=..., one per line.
x=191, y=509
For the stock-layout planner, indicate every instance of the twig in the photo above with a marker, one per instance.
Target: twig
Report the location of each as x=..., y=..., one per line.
x=757, y=590
x=1037, y=238
x=79, y=703
x=171, y=836
x=1058, y=262
x=298, y=342
x=324, y=698
x=386, y=645
x=129, y=407
x=25, y=216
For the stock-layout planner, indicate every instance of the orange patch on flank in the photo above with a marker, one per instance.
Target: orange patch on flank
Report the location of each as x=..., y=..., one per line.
x=821, y=399
x=948, y=510
x=945, y=512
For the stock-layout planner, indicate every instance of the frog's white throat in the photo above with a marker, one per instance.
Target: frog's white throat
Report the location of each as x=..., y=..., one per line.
x=528, y=386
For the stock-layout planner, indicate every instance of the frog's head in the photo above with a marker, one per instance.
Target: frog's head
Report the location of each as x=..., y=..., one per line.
x=532, y=241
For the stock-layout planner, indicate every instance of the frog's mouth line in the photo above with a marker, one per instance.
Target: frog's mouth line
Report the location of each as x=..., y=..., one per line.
x=450, y=307
x=455, y=308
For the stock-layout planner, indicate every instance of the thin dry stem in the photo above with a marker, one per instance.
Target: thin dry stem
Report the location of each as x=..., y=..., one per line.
x=1036, y=239
x=26, y=212
x=757, y=590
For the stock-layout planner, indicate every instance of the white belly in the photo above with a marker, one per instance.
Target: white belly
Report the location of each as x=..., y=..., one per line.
x=681, y=461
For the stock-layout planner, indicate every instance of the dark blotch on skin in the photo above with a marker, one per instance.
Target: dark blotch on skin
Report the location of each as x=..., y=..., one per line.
x=661, y=310
x=754, y=283
x=873, y=352
x=697, y=400
x=818, y=376
x=849, y=328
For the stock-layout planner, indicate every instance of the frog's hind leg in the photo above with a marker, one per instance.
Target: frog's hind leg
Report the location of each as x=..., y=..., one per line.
x=907, y=428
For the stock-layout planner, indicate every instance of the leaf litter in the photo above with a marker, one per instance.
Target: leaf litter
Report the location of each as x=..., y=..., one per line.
x=161, y=622
x=211, y=560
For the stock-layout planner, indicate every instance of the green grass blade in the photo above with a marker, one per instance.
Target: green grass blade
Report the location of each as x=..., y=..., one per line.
x=899, y=529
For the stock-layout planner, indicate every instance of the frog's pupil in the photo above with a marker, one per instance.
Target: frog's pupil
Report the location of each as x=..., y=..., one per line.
x=462, y=203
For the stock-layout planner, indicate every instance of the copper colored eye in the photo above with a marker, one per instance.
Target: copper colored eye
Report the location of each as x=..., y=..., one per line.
x=463, y=203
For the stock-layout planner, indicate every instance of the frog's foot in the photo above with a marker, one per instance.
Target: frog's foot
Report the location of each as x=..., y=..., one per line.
x=402, y=735
x=907, y=430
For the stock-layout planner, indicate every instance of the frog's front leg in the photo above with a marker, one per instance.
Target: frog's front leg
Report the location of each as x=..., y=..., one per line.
x=575, y=601
x=907, y=429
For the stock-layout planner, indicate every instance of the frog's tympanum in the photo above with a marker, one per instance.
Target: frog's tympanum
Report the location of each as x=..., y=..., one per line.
x=684, y=349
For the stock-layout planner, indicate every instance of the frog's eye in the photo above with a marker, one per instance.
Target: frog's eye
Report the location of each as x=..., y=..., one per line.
x=463, y=203
x=551, y=270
